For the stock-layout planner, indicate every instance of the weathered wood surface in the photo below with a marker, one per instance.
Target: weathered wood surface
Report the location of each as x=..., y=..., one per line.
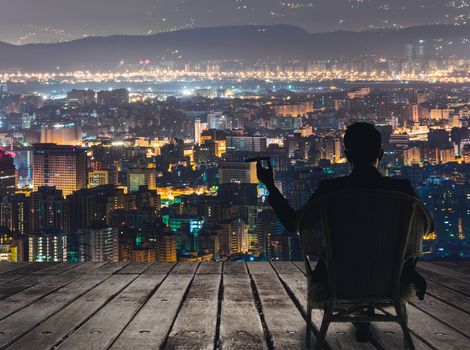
x=105, y=326
x=285, y=325
x=209, y=305
x=240, y=322
x=196, y=324
x=150, y=327
x=73, y=315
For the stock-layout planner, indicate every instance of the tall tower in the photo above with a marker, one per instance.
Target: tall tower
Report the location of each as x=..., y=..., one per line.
x=64, y=167
x=166, y=247
x=7, y=174
x=198, y=128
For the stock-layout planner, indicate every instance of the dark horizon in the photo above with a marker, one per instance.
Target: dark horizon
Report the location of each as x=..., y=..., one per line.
x=46, y=21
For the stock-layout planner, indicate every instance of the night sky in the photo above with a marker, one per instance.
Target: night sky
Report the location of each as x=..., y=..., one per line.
x=32, y=21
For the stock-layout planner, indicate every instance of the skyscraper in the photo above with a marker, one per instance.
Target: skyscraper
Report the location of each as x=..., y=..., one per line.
x=64, y=167
x=199, y=127
x=237, y=172
x=141, y=177
x=166, y=247
x=49, y=211
x=99, y=244
x=7, y=174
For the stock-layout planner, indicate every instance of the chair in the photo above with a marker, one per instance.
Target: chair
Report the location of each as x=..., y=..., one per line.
x=364, y=238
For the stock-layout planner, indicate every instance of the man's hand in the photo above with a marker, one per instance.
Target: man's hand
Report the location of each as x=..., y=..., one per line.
x=265, y=175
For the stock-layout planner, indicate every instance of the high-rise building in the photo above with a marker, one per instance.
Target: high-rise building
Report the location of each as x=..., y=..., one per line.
x=47, y=247
x=113, y=97
x=447, y=155
x=81, y=97
x=199, y=127
x=237, y=172
x=218, y=138
x=23, y=160
x=166, y=247
x=98, y=177
x=141, y=177
x=246, y=143
x=233, y=237
x=142, y=255
x=49, y=210
x=294, y=110
x=15, y=214
x=99, y=244
x=7, y=174
x=412, y=155
x=62, y=134
x=415, y=113
x=64, y=167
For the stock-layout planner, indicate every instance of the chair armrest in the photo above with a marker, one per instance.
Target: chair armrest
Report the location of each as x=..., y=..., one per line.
x=425, y=252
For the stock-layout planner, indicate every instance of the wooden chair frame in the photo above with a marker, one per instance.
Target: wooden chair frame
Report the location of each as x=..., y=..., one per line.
x=350, y=313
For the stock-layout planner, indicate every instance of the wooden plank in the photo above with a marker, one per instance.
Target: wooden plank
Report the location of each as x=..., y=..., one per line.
x=11, y=266
x=8, y=278
x=388, y=335
x=232, y=267
x=260, y=268
x=159, y=268
x=18, y=285
x=453, y=265
x=85, y=267
x=49, y=284
x=57, y=268
x=31, y=268
x=240, y=323
x=445, y=313
x=185, y=268
x=149, y=328
x=284, y=323
x=22, y=321
x=195, y=325
x=135, y=267
x=445, y=271
x=72, y=316
x=340, y=335
x=105, y=326
x=449, y=296
x=210, y=267
x=437, y=334
x=445, y=281
x=110, y=268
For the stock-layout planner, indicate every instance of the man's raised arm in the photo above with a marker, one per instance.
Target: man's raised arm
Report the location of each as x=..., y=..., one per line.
x=282, y=208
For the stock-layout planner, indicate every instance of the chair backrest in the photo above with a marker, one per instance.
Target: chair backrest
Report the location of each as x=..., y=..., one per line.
x=366, y=237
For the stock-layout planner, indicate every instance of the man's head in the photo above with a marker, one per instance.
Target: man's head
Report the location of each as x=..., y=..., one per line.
x=363, y=144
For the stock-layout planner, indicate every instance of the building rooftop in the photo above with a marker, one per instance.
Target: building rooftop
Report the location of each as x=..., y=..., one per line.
x=208, y=305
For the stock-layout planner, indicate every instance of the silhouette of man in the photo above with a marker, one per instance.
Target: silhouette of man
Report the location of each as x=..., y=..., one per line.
x=363, y=149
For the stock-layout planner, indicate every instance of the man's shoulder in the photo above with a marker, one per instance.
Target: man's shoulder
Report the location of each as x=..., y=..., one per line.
x=330, y=185
x=399, y=184
x=347, y=183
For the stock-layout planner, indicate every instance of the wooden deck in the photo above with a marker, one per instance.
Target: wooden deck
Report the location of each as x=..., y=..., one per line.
x=210, y=305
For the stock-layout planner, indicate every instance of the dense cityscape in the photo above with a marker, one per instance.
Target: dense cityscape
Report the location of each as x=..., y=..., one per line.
x=159, y=174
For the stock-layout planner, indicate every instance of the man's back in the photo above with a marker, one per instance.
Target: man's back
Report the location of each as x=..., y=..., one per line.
x=364, y=178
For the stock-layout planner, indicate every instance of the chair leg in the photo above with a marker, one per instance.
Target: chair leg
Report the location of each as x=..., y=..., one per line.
x=308, y=335
x=400, y=308
x=324, y=326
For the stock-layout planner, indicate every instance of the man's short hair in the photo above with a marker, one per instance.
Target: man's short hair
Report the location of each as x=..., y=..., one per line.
x=362, y=142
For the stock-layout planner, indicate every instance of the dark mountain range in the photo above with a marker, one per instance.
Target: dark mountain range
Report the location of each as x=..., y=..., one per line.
x=246, y=43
